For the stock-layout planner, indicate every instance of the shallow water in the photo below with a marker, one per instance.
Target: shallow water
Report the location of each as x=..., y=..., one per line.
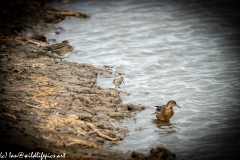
x=187, y=51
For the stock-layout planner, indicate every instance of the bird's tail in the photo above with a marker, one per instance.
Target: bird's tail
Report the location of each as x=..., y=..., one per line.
x=156, y=111
x=46, y=49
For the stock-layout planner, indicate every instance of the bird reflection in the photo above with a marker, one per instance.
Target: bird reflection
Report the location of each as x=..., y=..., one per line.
x=161, y=124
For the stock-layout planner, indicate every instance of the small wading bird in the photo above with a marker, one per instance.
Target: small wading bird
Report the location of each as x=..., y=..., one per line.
x=118, y=81
x=165, y=112
x=60, y=50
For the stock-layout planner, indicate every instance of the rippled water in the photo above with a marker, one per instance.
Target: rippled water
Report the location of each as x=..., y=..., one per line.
x=186, y=51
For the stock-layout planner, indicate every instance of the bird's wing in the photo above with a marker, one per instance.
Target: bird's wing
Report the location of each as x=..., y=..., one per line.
x=54, y=46
x=62, y=50
x=160, y=108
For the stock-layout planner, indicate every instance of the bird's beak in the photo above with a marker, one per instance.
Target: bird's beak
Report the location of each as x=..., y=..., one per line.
x=178, y=106
x=123, y=81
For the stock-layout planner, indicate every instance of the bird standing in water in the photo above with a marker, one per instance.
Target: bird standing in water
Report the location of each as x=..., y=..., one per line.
x=118, y=81
x=165, y=112
x=60, y=50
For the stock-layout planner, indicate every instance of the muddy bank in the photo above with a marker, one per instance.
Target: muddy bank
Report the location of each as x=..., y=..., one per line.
x=57, y=103
x=52, y=106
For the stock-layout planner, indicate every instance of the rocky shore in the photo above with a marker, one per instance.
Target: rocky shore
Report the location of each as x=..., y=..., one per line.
x=55, y=107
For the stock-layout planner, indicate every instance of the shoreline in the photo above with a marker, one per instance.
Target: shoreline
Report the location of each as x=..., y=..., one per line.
x=52, y=106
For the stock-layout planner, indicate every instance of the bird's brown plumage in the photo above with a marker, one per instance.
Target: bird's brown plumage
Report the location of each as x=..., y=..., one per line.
x=118, y=81
x=60, y=50
x=166, y=112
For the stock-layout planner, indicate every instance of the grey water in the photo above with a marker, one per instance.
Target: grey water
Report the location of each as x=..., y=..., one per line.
x=187, y=51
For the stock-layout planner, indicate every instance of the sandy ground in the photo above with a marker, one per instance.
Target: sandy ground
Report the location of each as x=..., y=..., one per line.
x=52, y=106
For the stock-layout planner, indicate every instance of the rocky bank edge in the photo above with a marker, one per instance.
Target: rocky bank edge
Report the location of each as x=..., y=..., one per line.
x=56, y=107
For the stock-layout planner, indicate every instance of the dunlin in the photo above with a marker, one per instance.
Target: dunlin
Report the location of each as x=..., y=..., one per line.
x=118, y=81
